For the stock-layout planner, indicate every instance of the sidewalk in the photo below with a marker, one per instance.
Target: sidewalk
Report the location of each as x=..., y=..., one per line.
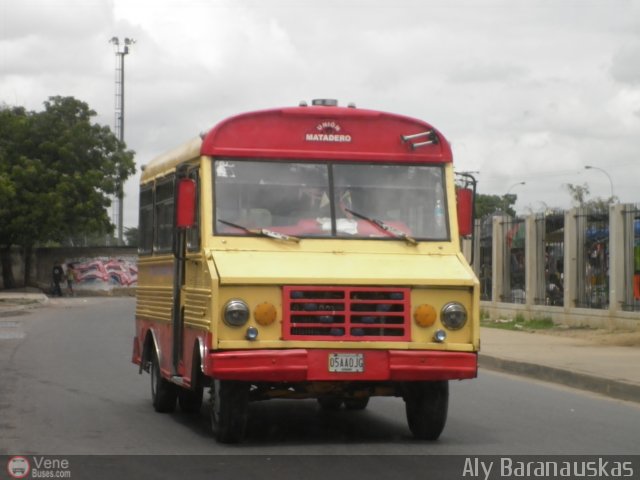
x=608, y=370
x=574, y=362
x=14, y=302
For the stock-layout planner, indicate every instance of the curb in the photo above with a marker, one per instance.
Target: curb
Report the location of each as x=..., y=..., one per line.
x=16, y=303
x=11, y=312
x=605, y=386
x=15, y=310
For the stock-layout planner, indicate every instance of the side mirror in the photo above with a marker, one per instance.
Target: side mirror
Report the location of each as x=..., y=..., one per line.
x=464, y=197
x=186, y=203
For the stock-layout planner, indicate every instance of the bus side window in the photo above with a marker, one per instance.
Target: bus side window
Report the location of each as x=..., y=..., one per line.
x=145, y=244
x=193, y=234
x=164, y=215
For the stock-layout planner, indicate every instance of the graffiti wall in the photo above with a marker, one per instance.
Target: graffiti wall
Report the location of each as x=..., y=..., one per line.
x=104, y=273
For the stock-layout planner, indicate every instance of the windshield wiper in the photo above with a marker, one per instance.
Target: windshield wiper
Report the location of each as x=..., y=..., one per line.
x=393, y=231
x=263, y=232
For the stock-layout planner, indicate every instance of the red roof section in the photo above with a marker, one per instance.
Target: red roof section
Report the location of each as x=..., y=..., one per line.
x=320, y=132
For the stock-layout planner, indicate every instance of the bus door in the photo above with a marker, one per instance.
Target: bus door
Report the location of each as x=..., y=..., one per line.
x=185, y=231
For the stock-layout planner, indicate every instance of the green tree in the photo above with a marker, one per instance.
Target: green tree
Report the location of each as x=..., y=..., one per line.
x=61, y=170
x=131, y=236
x=13, y=134
x=579, y=194
x=488, y=204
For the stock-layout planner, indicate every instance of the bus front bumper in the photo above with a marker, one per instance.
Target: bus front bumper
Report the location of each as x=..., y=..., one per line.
x=300, y=365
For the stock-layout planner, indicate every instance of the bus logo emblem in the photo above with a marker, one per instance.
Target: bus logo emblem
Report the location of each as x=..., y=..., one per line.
x=18, y=467
x=328, y=131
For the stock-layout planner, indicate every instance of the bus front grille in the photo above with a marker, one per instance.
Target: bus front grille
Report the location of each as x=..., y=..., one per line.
x=346, y=313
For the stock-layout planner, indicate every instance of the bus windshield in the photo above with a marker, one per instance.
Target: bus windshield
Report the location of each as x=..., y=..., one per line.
x=342, y=200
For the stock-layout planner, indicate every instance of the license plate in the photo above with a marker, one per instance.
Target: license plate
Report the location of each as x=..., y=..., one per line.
x=346, y=362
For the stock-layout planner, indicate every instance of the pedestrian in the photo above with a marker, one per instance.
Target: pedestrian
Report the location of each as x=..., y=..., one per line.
x=57, y=274
x=71, y=277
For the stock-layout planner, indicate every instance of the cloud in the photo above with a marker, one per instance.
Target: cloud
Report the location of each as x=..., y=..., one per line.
x=486, y=72
x=625, y=67
x=64, y=20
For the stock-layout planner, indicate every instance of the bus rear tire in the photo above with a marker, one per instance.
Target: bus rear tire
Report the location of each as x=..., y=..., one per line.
x=426, y=406
x=229, y=410
x=163, y=392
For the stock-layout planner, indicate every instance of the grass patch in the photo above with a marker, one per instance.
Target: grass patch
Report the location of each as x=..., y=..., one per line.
x=519, y=323
x=16, y=301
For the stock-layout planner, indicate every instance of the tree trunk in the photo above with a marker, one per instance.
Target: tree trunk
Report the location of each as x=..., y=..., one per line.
x=7, y=271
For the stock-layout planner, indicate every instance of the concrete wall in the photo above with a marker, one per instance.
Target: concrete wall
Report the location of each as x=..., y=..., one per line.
x=99, y=270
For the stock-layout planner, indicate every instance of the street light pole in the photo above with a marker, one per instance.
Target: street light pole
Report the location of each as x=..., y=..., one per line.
x=119, y=120
x=513, y=186
x=509, y=191
x=590, y=167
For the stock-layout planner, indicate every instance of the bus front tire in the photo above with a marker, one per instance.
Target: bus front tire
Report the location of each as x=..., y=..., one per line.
x=229, y=410
x=426, y=406
x=330, y=403
x=163, y=392
x=356, y=403
x=190, y=401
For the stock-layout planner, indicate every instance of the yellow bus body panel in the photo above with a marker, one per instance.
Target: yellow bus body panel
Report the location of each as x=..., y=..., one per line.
x=318, y=268
x=257, y=276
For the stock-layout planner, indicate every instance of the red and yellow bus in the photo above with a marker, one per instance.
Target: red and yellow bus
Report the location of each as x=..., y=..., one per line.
x=306, y=252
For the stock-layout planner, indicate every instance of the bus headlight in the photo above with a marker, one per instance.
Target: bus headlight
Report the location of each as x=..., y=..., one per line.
x=236, y=313
x=439, y=336
x=252, y=334
x=454, y=315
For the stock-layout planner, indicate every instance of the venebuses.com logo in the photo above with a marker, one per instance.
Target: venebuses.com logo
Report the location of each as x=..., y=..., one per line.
x=18, y=467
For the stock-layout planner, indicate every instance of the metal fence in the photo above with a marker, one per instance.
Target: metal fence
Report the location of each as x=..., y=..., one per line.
x=574, y=264
x=631, y=228
x=514, y=266
x=485, y=258
x=549, y=248
x=592, y=259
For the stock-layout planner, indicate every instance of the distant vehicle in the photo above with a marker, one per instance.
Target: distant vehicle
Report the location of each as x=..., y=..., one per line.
x=306, y=252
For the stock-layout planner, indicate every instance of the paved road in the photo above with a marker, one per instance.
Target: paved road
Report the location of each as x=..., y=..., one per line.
x=67, y=387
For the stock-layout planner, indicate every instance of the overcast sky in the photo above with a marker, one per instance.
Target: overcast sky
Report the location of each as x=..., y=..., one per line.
x=524, y=90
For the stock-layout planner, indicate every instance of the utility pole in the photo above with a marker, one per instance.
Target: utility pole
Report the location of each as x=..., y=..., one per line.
x=121, y=50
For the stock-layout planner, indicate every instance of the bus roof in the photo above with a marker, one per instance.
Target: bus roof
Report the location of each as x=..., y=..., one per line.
x=167, y=161
x=315, y=132
x=326, y=132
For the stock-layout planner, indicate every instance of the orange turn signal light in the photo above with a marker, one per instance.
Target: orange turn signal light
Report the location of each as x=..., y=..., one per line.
x=265, y=314
x=425, y=315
